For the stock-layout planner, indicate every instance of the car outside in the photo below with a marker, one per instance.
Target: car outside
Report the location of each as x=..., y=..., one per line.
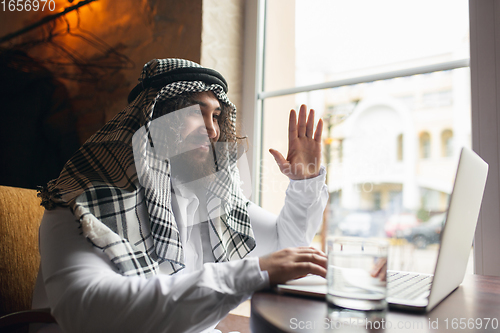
x=427, y=232
x=356, y=224
x=398, y=223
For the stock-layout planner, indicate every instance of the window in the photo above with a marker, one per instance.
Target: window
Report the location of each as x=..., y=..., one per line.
x=399, y=147
x=447, y=143
x=425, y=145
x=484, y=17
x=377, y=200
x=417, y=82
x=484, y=20
x=437, y=98
x=340, y=150
x=395, y=202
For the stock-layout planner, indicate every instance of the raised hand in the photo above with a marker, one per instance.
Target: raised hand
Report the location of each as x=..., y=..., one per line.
x=304, y=146
x=293, y=263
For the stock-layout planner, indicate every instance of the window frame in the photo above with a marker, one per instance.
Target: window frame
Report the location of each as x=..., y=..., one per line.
x=484, y=19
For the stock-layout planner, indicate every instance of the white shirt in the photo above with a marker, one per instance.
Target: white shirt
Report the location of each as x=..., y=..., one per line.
x=87, y=294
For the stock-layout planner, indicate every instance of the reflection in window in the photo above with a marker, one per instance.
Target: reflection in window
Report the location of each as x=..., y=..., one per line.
x=447, y=143
x=343, y=110
x=377, y=200
x=425, y=145
x=375, y=153
x=395, y=201
x=437, y=98
x=399, y=147
x=340, y=150
x=431, y=200
x=408, y=100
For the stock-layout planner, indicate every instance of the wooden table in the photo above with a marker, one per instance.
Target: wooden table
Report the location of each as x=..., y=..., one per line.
x=476, y=300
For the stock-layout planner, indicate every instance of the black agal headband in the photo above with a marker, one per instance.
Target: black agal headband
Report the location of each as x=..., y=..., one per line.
x=206, y=75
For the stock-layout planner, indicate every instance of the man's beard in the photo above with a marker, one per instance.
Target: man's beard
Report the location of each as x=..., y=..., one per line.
x=192, y=169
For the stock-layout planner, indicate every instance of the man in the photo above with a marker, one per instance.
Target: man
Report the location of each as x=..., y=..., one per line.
x=164, y=240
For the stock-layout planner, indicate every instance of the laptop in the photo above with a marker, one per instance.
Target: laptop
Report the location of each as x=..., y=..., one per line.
x=422, y=292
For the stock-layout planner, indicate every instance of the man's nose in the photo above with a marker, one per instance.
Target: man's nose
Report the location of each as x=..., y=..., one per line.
x=210, y=128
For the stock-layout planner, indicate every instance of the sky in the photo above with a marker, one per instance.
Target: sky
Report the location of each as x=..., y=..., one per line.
x=341, y=35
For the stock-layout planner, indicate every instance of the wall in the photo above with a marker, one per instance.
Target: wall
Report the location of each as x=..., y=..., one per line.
x=106, y=46
x=222, y=42
x=278, y=59
x=139, y=30
x=485, y=103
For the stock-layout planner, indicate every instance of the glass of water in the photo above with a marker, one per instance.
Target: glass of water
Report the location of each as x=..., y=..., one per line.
x=357, y=271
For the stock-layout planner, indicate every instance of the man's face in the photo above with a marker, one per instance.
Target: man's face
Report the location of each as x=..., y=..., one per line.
x=198, y=133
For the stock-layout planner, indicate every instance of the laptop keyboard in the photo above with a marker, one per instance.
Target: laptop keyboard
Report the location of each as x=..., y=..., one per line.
x=409, y=286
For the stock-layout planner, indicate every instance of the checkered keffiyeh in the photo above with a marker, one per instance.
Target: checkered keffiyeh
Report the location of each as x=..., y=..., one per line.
x=129, y=216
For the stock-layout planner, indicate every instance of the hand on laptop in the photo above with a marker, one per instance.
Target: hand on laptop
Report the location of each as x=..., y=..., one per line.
x=293, y=263
x=380, y=269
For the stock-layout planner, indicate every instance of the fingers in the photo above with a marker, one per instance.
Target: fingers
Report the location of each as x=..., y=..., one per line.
x=304, y=268
x=305, y=125
x=380, y=269
x=302, y=126
x=292, y=126
x=310, y=249
x=319, y=131
x=310, y=124
x=280, y=160
x=292, y=263
x=311, y=258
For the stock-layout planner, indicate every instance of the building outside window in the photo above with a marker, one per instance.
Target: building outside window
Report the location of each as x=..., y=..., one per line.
x=447, y=143
x=394, y=94
x=399, y=152
x=425, y=145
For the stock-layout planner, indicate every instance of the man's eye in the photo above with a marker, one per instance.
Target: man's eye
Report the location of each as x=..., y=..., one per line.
x=216, y=116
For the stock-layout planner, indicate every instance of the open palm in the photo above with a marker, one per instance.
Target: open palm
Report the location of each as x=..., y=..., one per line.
x=304, y=146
